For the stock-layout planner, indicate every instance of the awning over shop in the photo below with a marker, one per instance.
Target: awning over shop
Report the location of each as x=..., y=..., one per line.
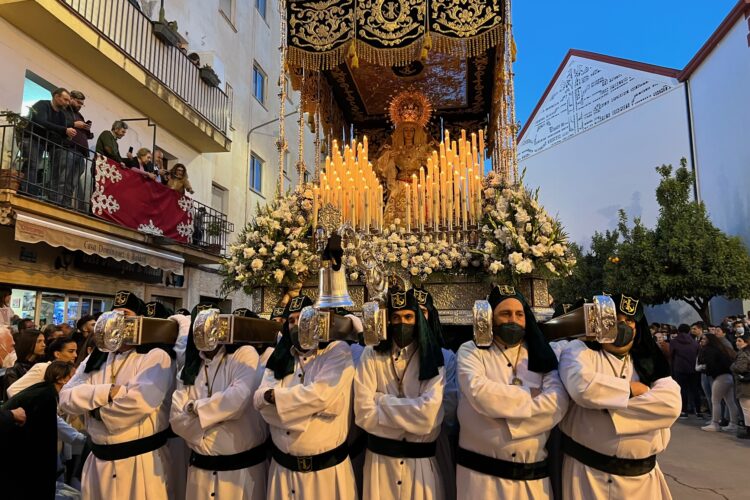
x=34, y=229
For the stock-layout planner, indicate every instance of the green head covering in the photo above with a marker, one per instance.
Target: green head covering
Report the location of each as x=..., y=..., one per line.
x=542, y=358
x=430, y=354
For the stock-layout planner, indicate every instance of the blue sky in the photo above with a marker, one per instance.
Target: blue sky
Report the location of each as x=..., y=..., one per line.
x=663, y=32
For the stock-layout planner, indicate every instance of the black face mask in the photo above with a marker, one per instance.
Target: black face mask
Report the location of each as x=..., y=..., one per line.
x=294, y=336
x=625, y=335
x=402, y=334
x=510, y=333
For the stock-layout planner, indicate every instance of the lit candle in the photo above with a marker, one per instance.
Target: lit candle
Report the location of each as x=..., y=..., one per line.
x=481, y=148
x=408, y=208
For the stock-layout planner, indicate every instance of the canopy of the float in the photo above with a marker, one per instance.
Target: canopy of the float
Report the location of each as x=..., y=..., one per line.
x=351, y=57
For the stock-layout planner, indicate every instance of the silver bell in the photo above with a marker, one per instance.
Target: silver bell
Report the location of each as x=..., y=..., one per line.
x=333, y=291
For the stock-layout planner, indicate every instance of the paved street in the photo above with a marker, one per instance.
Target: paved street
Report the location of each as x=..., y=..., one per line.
x=706, y=466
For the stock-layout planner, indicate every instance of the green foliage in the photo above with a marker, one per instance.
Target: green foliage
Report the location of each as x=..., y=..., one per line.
x=587, y=278
x=685, y=257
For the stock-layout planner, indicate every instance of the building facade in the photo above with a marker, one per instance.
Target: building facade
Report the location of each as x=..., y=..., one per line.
x=130, y=63
x=605, y=123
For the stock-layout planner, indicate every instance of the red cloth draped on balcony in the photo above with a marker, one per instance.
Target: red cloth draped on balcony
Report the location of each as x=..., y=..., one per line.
x=129, y=198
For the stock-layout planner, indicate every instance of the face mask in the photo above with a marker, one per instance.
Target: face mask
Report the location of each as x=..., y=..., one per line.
x=402, y=334
x=625, y=335
x=294, y=335
x=739, y=330
x=510, y=333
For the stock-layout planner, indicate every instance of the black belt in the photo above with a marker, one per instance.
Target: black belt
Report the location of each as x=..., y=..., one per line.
x=501, y=468
x=310, y=463
x=400, y=449
x=121, y=451
x=606, y=463
x=358, y=446
x=242, y=460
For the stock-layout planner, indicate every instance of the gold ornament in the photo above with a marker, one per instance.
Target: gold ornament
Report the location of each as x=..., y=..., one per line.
x=410, y=106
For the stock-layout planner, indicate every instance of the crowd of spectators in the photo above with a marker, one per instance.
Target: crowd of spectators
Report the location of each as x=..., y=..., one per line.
x=61, y=136
x=711, y=363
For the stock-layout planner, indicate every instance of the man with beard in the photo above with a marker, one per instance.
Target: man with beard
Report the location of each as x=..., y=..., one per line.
x=79, y=151
x=511, y=398
x=399, y=402
x=305, y=397
x=623, y=404
x=212, y=410
x=124, y=397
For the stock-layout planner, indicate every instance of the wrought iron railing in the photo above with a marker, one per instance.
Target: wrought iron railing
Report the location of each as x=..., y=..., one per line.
x=60, y=173
x=123, y=24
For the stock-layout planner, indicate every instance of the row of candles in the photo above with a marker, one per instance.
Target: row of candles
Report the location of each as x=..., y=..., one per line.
x=446, y=195
x=349, y=183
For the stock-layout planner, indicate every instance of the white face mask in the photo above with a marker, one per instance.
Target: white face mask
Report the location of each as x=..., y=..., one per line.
x=739, y=330
x=10, y=360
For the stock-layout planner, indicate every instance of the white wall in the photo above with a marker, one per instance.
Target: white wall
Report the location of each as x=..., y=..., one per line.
x=589, y=177
x=721, y=114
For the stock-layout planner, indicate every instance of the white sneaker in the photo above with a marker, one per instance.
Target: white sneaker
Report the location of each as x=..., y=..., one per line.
x=729, y=428
x=712, y=427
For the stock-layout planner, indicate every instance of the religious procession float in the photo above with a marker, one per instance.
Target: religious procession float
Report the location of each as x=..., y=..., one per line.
x=413, y=110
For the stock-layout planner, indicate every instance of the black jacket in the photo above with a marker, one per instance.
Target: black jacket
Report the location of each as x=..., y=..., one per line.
x=33, y=445
x=716, y=360
x=50, y=123
x=12, y=374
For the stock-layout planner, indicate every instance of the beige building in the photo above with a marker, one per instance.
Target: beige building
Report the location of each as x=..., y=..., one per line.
x=63, y=262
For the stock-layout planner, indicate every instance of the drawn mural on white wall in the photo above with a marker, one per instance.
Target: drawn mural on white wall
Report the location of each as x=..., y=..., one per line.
x=587, y=93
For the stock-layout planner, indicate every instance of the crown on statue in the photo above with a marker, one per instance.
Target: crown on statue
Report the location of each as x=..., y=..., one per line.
x=410, y=106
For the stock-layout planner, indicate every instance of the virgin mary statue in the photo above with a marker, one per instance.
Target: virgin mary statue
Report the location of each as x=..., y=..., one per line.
x=407, y=150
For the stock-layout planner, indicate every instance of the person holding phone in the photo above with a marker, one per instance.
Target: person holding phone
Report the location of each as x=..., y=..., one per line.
x=79, y=151
x=106, y=143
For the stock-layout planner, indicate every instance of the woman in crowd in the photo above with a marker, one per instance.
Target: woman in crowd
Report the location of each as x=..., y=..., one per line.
x=718, y=358
x=6, y=313
x=741, y=370
x=61, y=349
x=33, y=446
x=178, y=179
x=29, y=351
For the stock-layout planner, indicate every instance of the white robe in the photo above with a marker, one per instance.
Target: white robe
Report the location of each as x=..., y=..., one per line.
x=226, y=424
x=501, y=420
x=604, y=418
x=140, y=409
x=179, y=453
x=416, y=418
x=310, y=416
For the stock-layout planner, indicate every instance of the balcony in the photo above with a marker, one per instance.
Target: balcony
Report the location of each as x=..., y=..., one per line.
x=33, y=181
x=115, y=44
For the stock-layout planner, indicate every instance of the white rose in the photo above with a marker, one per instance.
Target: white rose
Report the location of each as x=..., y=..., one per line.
x=515, y=258
x=354, y=276
x=414, y=270
x=524, y=267
x=405, y=264
x=551, y=267
x=528, y=227
x=262, y=251
x=557, y=250
x=496, y=266
x=428, y=270
x=278, y=275
x=285, y=262
x=546, y=228
x=256, y=265
x=537, y=250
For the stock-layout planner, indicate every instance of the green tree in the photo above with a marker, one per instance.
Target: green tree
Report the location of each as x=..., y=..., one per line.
x=685, y=257
x=587, y=278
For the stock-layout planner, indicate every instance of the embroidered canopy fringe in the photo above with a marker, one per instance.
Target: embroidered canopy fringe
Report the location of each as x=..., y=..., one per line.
x=468, y=47
x=401, y=56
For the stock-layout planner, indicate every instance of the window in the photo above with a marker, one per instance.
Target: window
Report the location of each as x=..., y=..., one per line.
x=261, y=6
x=227, y=7
x=35, y=88
x=256, y=173
x=219, y=198
x=259, y=84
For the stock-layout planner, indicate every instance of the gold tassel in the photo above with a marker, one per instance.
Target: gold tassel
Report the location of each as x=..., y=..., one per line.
x=354, y=62
x=352, y=52
x=513, y=49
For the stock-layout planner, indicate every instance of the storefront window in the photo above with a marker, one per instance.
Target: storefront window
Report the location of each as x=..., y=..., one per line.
x=52, y=309
x=23, y=303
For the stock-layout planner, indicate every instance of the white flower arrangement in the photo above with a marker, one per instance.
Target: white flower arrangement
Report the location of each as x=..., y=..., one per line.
x=517, y=235
x=273, y=250
x=418, y=255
